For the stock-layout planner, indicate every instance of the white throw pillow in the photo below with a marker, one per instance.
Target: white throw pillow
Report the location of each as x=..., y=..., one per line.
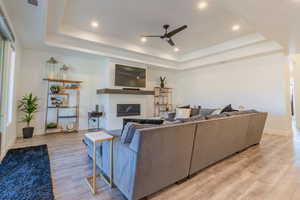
x=183, y=113
x=217, y=112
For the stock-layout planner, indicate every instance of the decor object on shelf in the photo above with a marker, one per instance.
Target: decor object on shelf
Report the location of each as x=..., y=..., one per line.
x=162, y=81
x=70, y=127
x=52, y=68
x=97, y=108
x=52, y=125
x=28, y=105
x=63, y=72
x=94, y=117
x=63, y=106
x=55, y=89
x=162, y=101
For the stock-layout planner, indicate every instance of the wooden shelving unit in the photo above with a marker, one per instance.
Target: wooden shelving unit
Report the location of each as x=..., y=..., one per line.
x=162, y=100
x=69, y=88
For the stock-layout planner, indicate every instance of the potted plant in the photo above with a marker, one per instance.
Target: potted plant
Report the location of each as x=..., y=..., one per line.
x=55, y=89
x=162, y=81
x=28, y=105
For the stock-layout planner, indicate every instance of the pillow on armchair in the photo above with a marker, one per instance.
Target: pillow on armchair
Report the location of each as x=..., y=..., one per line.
x=183, y=113
x=228, y=109
x=195, y=111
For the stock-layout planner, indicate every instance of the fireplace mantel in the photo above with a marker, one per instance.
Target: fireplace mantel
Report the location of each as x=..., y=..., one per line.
x=121, y=91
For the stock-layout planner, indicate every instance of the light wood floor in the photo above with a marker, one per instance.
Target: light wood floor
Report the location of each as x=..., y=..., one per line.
x=270, y=170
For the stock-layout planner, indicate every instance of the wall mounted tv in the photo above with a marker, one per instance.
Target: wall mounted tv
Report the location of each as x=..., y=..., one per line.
x=126, y=76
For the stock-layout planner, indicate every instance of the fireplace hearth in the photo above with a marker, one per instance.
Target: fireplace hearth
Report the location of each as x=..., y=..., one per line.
x=124, y=110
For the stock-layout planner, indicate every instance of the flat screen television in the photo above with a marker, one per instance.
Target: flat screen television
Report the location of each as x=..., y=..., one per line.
x=126, y=76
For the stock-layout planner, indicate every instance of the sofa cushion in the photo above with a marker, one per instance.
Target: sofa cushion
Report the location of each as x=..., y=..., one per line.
x=216, y=116
x=129, y=130
x=195, y=111
x=206, y=111
x=194, y=118
x=241, y=112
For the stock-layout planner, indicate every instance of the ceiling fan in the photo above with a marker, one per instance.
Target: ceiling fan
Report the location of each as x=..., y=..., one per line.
x=33, y=2
x=168, y=35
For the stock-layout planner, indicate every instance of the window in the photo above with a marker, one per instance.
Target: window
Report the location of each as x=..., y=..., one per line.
x=11, y=79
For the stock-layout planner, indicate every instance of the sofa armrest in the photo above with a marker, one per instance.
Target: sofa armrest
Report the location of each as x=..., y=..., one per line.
x=134, y=144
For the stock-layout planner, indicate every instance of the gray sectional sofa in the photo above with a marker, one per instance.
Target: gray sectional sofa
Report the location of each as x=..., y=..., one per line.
x=163, y=155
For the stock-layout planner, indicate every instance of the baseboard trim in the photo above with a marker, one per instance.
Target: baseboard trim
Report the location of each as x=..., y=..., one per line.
x=286, y=133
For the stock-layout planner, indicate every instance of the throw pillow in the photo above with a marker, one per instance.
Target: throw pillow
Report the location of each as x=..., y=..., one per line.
x=228, y=108
x=130, y=129
x=187, y=106
x=183, y=113
x=216, y=112
x=170, y=116
x=195, y=111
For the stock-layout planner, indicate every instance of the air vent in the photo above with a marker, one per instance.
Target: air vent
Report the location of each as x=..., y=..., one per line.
x=33, y=2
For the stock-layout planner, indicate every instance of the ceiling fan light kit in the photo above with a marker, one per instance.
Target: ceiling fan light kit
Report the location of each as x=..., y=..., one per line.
x=167, y=36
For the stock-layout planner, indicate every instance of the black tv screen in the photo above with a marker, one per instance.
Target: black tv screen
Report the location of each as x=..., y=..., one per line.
x=127, y=76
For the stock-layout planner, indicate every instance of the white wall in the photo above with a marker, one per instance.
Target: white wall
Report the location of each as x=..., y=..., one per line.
x=295, y=62
x=92, y=70
x=10, y=134
x=83, y=67
x=256, y=83
x=110, y=101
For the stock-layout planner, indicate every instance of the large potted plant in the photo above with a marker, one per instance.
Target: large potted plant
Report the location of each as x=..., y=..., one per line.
x=28, y=105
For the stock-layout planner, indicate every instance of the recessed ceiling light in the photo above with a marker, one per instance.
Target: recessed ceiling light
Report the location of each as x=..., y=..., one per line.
x=176, y=49
x=143, y=39
x=202, y=5
x=236, y=27
x=94, y=24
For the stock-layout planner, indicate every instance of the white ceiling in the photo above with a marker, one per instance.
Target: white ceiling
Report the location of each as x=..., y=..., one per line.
x=127, y=20
x=66, y=24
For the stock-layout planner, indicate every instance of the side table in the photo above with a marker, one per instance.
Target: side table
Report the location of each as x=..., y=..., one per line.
x=98, y=137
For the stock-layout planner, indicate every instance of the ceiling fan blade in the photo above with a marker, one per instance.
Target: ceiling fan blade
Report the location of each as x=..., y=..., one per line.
x=172, y=33
x=171, y=42
x=152, y=36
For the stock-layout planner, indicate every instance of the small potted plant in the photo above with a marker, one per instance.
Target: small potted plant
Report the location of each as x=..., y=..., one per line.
x=55, y=89
x=28, y=105
x=162, y=81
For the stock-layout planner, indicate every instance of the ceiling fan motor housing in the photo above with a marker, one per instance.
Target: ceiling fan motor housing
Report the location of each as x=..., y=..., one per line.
x=33, y=2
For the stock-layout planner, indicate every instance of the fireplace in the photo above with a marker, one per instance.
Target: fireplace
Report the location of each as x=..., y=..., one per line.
x=128, y=110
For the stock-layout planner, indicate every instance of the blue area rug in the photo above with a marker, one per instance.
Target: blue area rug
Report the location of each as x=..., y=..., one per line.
x=25, y=174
